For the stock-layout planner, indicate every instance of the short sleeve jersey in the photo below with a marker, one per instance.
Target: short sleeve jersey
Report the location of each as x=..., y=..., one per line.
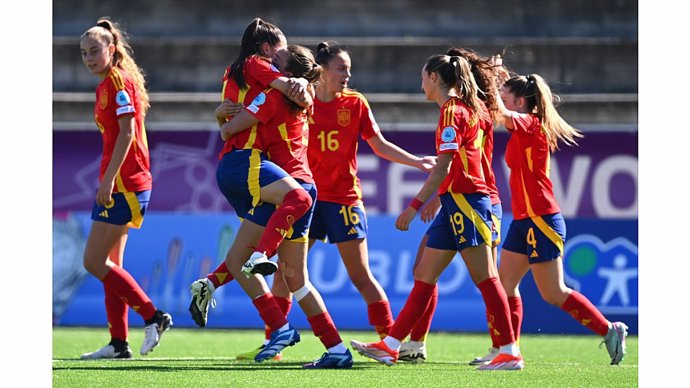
x=258, y=74
x=334, y=132
x=487, y=127
x=528, y=157
x=458, y=134
x=116, y=97
x=284, y=132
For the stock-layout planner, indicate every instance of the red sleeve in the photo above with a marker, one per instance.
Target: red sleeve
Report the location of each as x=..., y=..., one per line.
x=487, y=126
x=261, y=70
x=263, y=107
x=525, y=123
x=367, y=125
x=121, y=91
x=451, y=129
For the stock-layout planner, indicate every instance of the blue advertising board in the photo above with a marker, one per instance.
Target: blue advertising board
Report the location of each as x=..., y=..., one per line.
x=172, y=250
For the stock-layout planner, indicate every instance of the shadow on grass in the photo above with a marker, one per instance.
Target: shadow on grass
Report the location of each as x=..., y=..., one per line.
x=215, y=364
x=68, y=364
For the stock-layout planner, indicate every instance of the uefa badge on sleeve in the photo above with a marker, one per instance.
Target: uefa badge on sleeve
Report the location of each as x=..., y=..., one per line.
x=122, y=98
x=448, y=134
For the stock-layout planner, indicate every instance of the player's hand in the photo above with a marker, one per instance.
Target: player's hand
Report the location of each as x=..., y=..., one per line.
x=298, y=88
x=404, y=219
x=501, y=73
x=228, y=108
x=496, y=60
x=430, y=209
x=104, y=195
x=427, y=163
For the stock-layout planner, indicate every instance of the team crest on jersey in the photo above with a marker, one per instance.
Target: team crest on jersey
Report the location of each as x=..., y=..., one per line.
x=122, y=98
x=103, y=99
x=344, y=118
x=448, y=134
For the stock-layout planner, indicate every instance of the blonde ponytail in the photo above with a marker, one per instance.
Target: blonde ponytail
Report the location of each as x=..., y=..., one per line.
x=556, y=128
x=110, y=33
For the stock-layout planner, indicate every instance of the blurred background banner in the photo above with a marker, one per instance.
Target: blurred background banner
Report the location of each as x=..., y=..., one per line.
x=596, y=179
x=587, y=50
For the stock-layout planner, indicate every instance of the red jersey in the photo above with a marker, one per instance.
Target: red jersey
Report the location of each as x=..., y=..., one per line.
x=117, y=96
x=285, y=133
x=334, y=132
x=487, y=127
x=458, y=134
x=258, y=74
x=528, y=157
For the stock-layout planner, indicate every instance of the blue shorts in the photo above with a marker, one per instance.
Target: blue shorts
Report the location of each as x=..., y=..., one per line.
x=126, y=209
x=240, y=176
x=496, y=215
x=338, y=223
x=541, y=238
x=464, y=221
x=300, y=229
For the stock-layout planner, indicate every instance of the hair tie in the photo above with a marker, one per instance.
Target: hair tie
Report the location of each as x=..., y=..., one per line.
x=104, y=24
x=454, y=59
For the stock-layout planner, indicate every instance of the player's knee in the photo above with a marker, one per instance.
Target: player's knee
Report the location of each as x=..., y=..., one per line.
x=303, y=291
x=301, y=198
x=90, y=265
x=362, y=282
x=554, y=297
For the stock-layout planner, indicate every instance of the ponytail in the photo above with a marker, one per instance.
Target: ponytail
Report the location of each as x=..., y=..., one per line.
x=483, y=73
x=542, y=102
x=256, y=33
x=455, y=73
x=109, y=32
x=556, y=127
x=325, y=51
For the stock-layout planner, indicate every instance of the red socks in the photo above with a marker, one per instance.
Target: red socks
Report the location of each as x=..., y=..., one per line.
x=498, y=316
x=117, y=312
x=270, y=312
x=127, y=289
x=515, y=303
x=381, y=317
x=416, y=304
x=580, y=308
x=295, y=205
x=421, y=328
x=220, y=275
x=285, y=304
x=323, y=327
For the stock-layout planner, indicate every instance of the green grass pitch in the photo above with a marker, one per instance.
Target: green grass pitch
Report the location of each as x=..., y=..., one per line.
x=206, y=358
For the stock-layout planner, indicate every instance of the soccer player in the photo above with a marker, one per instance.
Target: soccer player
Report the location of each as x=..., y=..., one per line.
x=537, y=234
x=482, y=68
x=464, y=222
x=249, y=74
x=341, y=116
x=292, y=201
x=124, y=189
x=284, y=132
